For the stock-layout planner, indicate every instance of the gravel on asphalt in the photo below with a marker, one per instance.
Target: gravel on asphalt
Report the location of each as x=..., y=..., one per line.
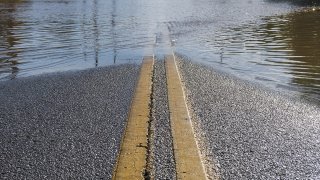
x=162, y=146
x=246, y=131
x=63, y=126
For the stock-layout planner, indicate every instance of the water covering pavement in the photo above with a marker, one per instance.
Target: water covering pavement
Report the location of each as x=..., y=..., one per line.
x=271, y=42
x=275, y=44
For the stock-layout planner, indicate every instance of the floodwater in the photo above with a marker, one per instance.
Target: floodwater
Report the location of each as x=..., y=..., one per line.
x=275, y=43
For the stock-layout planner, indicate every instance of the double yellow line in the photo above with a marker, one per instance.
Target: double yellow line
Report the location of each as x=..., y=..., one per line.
x=132, y=159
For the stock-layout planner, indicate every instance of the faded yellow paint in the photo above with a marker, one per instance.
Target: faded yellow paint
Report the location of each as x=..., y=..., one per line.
x=132, y=159
x=188, y=162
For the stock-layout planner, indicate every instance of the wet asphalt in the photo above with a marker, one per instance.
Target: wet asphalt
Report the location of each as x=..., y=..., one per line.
x=246, y=131
x=64, y=126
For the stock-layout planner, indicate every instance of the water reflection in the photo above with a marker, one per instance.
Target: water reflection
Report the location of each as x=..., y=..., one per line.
x=299, y=2
x=113, y=31
x=291, y=43
x=9, y=58
x=303, y=31
x=280, y=51
x=59, y=35
x=96, y=32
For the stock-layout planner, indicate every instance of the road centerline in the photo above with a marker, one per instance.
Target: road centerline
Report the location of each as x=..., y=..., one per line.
x=131, y=162
x=188, y=162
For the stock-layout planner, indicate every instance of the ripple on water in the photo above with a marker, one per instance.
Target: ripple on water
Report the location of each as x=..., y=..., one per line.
x=242, y=37
x=282, y=49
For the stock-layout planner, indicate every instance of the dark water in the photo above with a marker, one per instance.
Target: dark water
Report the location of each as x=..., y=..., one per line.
x=273, y=42
x=280, y=51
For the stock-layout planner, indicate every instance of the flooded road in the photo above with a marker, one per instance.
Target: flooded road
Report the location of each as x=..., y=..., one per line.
x=276, y=44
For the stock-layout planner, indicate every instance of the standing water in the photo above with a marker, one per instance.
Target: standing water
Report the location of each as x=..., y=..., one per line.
x=276, y=44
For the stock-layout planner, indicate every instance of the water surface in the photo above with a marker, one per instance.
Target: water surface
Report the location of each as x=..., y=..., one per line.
x=280, y=51
x=275, y=43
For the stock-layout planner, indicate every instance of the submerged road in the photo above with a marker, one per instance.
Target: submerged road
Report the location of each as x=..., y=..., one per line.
x=73, y=125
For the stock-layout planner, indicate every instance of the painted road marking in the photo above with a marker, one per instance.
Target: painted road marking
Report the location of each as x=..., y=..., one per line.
x=132, y=159
x=188, y=162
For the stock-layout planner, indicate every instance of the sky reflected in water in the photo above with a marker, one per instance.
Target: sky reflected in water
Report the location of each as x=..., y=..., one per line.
x=280, y=51
x=275, y=43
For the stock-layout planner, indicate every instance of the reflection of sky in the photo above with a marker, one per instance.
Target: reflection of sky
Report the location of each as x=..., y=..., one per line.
x=63, y=35
x=280, y=51
x=242, y=37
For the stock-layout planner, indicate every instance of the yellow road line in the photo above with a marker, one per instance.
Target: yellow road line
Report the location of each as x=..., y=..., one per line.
x=132, y=158
x=188, y=162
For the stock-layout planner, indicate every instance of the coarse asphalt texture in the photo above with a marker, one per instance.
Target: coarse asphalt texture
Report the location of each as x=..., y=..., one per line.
x=248, y=132
x=65, y=126
x=70, y=125
x=163, y=164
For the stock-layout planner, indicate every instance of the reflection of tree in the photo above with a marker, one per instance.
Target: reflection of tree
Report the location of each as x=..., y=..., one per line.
x=113, y=24
x=83, y=30
x=299, y=2
x=301, y=33
x=304, y=30
x=10, y=1
x=91, y=30
x=8, y=60
x=96, y=32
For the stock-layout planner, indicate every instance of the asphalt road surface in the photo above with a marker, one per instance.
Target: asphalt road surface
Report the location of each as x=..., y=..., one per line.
x=163, y=165
x=70, y=125
x=248, y=132
x=65, y=125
